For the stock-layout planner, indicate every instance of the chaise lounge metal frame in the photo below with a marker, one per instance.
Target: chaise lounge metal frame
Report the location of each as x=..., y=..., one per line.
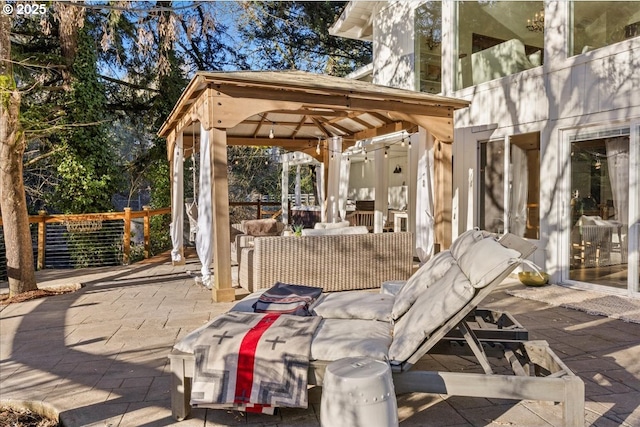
x=538, y=373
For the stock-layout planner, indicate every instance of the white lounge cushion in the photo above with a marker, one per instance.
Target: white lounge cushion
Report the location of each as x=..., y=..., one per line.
x=431, y=310
x=246, y=304
x=338, y=338
x=464, y=241
x=417, y=284
x=486, y=260
x=334, y=231
x=354, y=305
x=326, y=225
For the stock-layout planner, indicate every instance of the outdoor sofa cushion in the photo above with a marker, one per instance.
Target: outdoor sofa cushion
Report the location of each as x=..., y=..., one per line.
x=334, y=231
x=338, y=338
x=467, y=239
x=261, y=227
x=354, y=305
x=325, y=225
x=485, y=260
x=426, y=275
x=446, y=297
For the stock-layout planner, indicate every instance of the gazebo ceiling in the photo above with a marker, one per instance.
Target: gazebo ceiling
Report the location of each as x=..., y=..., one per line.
x=294, y=109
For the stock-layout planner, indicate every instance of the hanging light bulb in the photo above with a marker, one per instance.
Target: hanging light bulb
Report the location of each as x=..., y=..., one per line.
x=402, y=143
x=271, y=134
x=366, y=159
x=409, y=143
x=318, y=147
x=385, y=152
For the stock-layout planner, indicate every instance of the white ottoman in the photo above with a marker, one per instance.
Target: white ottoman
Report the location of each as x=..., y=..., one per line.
x=358, y=391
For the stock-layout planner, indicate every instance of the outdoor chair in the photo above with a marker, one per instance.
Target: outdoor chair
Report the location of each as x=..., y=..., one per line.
x=430, y=312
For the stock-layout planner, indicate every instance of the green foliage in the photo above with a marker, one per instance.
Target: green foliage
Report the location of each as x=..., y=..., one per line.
x=252, y=173
x=87, y=169
x=94, y=249
x=291, y=35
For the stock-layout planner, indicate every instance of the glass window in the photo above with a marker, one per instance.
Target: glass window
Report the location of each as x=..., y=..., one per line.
x=519, y=209
x=599, y=204
x=428, y=27
x=497, y=39
x=598, y=24
x=492, y=186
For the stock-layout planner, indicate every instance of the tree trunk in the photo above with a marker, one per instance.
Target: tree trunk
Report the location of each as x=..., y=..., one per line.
x=13, y=203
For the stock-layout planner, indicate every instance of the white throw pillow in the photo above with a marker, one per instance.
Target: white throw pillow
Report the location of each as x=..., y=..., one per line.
x=430, y=311
x=486, y=260
x=417, y=284
x=466, y=240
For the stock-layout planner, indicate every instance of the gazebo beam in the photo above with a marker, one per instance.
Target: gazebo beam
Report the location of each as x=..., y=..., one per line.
x=227, y=105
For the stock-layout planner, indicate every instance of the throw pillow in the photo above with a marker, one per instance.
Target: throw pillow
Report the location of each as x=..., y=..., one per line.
x=261, y=227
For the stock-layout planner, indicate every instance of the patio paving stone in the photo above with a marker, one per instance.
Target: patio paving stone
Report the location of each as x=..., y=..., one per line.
x=99, y=355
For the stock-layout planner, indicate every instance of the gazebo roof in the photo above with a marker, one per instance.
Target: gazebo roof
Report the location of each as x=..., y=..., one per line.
x=293, y=109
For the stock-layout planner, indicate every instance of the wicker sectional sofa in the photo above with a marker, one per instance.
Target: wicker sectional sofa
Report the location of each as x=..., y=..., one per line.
x=331, y=262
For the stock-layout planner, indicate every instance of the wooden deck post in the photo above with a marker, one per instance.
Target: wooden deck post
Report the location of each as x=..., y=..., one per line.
x=126, y=250
x=443, y=176
x=42, y=238
x=147, y=232
x=221, y=289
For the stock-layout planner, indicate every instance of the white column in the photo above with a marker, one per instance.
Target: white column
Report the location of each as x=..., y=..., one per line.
x=320, y=189
x=284, y=197
x=381, y=203
x=469, y=200
x=423, y=143
x=298, y=189
x=333, y=187
x=177, y=201
x=205, y=208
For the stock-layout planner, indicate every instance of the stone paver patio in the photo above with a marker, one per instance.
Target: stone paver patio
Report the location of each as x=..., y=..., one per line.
x=99, y=356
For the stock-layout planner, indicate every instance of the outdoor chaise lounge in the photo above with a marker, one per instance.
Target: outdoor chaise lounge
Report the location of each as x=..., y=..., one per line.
x=432, y=309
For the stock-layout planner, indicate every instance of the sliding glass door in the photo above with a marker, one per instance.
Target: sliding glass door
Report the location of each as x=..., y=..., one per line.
x=602, y=205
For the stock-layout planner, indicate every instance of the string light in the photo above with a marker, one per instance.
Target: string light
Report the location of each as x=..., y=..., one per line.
x=318, y=147
x=271, y=134
x=385, y=152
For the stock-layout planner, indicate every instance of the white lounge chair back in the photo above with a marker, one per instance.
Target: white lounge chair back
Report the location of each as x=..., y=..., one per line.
x=482, y=263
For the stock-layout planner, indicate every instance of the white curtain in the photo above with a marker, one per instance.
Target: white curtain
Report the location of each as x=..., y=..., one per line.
x=343, y=191
x=333, y=187
x=284, y=193
x=177, y=201
x=618, y=165
x=205, y=233
x=424, y=200
x=519, y=191
x=320, y=189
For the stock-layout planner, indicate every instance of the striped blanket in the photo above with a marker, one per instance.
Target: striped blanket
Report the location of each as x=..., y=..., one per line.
x=253, y=362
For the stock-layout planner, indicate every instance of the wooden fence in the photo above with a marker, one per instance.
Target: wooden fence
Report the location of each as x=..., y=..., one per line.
x=92, y=222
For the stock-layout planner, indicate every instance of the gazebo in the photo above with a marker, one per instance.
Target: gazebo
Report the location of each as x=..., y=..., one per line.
x=316, y=114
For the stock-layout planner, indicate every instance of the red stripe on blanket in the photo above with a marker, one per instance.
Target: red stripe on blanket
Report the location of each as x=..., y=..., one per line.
x=246, y=358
